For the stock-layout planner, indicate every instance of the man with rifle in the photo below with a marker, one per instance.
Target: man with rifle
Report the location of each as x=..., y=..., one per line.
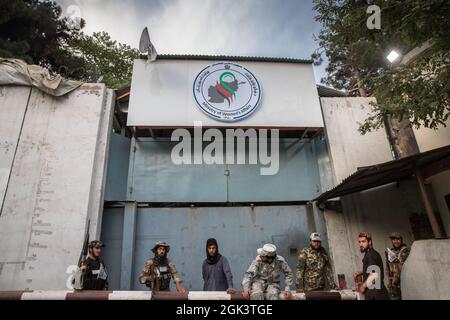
x=395, y=258
x=93, y=268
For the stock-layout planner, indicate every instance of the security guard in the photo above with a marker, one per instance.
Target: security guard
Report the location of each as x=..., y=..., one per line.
x=93, y=269
x=395, y=258
x=159, y=270
x=262, y=279
x=314, y=268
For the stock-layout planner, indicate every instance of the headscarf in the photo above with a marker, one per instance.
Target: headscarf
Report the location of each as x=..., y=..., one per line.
x=215, y=258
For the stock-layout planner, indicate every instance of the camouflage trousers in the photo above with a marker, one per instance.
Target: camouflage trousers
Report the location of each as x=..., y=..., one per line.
x=261, y=290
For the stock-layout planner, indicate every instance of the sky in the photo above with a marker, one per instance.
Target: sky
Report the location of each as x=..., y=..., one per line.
x=270, y=28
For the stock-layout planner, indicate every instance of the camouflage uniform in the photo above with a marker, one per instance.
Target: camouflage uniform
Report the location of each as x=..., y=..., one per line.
x=155, y=278
x=314, y=270
x=394, y=269
x=263, y=278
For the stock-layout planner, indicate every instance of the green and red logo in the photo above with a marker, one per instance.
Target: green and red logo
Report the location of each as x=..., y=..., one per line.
x=224, y=89
x=227, y=91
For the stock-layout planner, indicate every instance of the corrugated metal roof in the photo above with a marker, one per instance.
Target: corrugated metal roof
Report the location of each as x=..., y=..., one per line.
x=228, y=58
x=392, y=171
x=328, y=92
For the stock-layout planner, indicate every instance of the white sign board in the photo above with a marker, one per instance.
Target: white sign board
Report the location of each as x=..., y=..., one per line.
x=264, y=95
x=227, y=91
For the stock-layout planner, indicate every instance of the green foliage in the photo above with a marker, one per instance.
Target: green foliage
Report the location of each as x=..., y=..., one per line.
x=35, y=32
x=111, y=61
x=417, y=91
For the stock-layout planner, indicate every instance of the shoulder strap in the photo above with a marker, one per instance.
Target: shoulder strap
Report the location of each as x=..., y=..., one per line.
x=400, y=253
x=324, y=255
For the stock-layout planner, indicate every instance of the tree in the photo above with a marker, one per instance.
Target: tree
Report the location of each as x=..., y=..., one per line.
x=418, y=91
x=108, y=60
x=35, y=31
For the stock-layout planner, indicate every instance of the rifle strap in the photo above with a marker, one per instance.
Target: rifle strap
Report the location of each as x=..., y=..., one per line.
x=400, y=254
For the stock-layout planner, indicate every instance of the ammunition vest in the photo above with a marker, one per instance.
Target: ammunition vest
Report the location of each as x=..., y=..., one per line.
x=162, y=277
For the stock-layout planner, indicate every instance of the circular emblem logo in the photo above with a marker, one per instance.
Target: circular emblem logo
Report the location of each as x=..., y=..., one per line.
x=227, y=91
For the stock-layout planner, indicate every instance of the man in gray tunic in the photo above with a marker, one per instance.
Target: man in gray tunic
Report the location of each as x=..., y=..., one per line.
x=262, y=279
x=216, y=271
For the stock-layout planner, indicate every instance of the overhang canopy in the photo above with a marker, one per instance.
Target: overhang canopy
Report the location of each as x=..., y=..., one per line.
x=429, y=163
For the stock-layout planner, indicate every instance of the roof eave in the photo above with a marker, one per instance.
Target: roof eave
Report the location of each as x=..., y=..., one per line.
x=228, y=58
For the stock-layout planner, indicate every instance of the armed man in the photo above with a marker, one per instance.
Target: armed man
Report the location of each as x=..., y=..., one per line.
x=159, y=270
x=395, y=258
x=314, y=270
x=93, y=269
x=262, y=279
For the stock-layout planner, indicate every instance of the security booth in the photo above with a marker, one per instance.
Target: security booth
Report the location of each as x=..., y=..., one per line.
x=209, y=146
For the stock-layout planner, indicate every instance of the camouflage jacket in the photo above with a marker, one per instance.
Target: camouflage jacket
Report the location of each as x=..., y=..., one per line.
x=156, y=277
x=394, y=268
x=314, y=270
x=267, y=273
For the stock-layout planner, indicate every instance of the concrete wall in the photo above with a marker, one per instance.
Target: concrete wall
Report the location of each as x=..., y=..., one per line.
x=429, y=139
x=380, y=210
x=13, y=103
x=56, y=155
x=440, y=185
x=426, y=273
x=347, y=147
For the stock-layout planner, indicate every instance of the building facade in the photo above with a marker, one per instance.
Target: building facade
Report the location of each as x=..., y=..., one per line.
x=102, y=163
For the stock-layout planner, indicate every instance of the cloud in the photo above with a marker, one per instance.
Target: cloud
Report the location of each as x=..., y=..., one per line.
x=232, y=27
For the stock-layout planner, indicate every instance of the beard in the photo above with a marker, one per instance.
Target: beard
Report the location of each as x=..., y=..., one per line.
x=363, y=249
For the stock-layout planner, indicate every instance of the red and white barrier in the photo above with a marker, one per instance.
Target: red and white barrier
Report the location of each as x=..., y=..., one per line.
x=148, y=295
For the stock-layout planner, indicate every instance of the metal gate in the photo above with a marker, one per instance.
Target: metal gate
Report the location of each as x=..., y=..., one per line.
x=238, y=230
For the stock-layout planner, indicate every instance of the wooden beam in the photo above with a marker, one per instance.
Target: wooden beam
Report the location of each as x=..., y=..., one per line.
x=428, y=207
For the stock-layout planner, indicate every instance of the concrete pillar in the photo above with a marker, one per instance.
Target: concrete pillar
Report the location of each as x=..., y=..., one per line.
x=128, y=243
x=339, y=246
x=98, y=182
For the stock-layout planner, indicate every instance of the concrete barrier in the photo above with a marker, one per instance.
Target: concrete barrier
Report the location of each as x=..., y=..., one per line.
x=426, y=272
x=148, y=295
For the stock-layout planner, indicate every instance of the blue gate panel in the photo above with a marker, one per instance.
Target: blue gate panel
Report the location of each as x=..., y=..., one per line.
x=112, y=235
x=297, y=178
x=117, y=172
x=154, y=178
x=239, y=231
x=157, y=179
